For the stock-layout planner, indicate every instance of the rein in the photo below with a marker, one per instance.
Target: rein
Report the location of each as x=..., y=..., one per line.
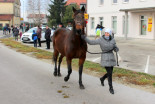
x=99, y=52
x=105, y=52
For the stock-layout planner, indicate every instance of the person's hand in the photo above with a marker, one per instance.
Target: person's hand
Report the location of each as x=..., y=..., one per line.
x=116, y=49
x=83, y=37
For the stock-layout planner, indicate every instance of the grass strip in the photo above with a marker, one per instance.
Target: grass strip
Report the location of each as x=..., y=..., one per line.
x=128, y=76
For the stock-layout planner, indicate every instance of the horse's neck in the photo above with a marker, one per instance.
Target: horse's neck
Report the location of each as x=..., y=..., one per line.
x=75, y=32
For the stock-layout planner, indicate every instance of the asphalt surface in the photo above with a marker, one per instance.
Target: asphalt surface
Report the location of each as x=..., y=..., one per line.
x=26, y=80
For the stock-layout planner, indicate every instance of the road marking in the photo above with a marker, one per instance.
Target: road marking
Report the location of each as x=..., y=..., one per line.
x=96, y=59
x=147, y=64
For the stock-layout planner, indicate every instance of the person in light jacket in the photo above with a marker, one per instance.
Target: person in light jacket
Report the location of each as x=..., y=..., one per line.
x=107, y=44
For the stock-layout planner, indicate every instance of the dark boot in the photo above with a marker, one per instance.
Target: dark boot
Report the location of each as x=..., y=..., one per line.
x=111, y=90
x=102, y=79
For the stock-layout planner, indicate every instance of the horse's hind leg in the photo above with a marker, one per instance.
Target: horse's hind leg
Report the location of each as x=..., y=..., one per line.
x=55, y=56
x=69, y=69
x=60, y=60
x=81, y=62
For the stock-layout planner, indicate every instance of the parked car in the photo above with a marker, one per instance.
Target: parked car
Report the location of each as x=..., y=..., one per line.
x=27, y=36
x=69, y=27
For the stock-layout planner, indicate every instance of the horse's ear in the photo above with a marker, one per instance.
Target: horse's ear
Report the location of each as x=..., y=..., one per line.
x=83, y=9
x=74, y=10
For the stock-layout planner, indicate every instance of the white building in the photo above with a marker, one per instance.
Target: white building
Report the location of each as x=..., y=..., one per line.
x=128, y=18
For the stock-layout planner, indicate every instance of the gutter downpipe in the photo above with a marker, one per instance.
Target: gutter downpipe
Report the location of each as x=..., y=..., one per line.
x=87, y=20
x=126, y=24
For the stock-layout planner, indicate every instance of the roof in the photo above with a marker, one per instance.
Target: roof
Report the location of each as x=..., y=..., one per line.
x=7, y=1
x=6, y=17
x=78, y=2
x=36, y=15
x=143, y=9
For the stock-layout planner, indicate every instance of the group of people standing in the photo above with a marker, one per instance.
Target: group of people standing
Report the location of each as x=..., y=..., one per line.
x=6, y=30
x=36, y=36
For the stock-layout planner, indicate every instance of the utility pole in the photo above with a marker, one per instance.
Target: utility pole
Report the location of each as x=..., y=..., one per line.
x=23, y=18
x=87, y=20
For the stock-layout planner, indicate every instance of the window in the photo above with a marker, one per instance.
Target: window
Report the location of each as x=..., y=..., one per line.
x=125, y=1
x=114, y=23
x=92, y=23
x=101, y=21
x=7, y=24
x=143, y=26
x=101, y=2
x=1, y=26
x=81, y=5
x=114, y=1
x=124, y=25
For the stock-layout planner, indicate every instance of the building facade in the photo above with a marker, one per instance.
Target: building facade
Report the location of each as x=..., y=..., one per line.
x=127, y=18
x=9, y=12
x=78, y=2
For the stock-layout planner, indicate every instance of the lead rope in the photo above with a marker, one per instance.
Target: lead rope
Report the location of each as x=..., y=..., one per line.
x=105, y=52
x=117, y=59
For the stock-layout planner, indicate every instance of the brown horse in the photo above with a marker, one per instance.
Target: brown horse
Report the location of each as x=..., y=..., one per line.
x=69, y=43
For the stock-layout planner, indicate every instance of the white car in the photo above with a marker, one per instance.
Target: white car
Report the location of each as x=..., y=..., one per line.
x=27, y=36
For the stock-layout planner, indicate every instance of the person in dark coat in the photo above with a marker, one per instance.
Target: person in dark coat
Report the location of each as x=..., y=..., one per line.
x=16, y=33
x=39, y=30
x=34, y=37
x=48, y=37
x=107, y=44
x=27, y=28
x=9, y=29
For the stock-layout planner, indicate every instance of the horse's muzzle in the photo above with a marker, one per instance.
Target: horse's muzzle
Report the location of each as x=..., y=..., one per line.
x=79, y=31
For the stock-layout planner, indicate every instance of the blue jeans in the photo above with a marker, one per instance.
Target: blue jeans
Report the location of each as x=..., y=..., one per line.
x=35, y=43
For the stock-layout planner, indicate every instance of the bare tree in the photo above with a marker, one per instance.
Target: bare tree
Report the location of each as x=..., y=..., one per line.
x=35, y=9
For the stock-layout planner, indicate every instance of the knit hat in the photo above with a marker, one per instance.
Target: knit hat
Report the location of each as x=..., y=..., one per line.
x=108, y=30
x=33, y=31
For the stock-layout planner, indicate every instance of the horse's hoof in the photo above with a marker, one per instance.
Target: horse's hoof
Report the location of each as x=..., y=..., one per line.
x=111, y=90
x=82, y=87
x=66, y=79
x=102, y=82
x=55, y=74
x=59, y=74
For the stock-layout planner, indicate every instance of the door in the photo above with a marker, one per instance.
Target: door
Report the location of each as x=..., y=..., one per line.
x=143, y=25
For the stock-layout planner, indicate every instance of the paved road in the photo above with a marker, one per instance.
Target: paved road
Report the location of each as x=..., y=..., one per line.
x=26, y=80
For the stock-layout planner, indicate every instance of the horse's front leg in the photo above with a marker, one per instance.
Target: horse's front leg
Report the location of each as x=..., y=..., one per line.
x=69, y=69
x=81, y=62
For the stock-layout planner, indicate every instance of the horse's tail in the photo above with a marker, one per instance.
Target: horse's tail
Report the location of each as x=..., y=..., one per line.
x=53, y=40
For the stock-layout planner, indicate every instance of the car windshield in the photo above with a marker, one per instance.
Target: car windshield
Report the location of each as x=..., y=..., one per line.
x=31, y=30
x=43, y=29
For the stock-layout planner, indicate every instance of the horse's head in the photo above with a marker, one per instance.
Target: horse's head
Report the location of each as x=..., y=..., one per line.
x=79, y=21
